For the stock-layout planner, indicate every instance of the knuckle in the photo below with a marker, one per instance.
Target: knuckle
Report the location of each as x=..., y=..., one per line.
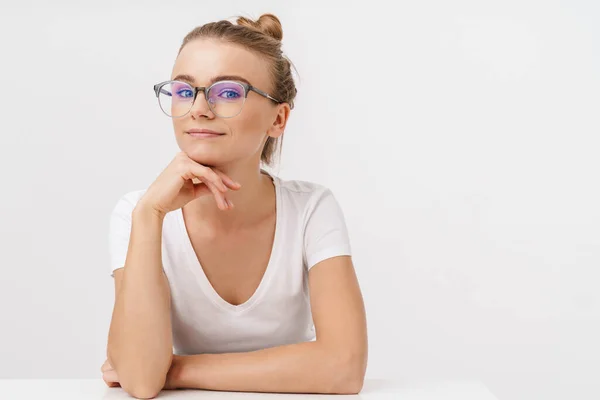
x=205, y=171
x=214, y=175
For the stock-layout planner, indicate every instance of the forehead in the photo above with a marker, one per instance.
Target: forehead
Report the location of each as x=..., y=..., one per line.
x=204, y=59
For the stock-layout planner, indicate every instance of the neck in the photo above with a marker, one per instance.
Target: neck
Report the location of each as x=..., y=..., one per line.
x=252, y=201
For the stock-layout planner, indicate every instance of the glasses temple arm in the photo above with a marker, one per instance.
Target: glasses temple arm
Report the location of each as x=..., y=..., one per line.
x=268, y=96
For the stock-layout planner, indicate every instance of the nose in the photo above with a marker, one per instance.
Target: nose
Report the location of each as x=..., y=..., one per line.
x=200, y=107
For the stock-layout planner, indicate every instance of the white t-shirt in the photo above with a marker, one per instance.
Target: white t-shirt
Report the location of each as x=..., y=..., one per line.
x=310, y=227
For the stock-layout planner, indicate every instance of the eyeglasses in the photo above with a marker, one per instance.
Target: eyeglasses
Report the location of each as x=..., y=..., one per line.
x=225, y=98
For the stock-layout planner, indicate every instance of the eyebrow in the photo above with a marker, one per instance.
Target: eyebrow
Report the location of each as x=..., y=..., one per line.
x=190, y=79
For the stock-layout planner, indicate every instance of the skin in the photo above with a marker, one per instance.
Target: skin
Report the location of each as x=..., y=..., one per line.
x=336, y=361
x=237, y=153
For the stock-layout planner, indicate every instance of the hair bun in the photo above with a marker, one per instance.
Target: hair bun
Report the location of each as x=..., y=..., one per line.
x=268, y=24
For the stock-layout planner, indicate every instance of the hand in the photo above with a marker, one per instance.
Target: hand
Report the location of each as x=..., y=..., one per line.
x=174, y=187
x=109, y=375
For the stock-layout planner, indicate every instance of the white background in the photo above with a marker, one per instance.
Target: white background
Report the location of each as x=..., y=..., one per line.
x=461, y=139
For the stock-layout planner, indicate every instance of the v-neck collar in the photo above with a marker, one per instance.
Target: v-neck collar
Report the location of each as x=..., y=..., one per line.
x=201, y=277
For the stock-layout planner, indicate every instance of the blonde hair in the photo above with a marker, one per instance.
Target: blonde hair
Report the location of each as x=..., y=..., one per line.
x=263, y=37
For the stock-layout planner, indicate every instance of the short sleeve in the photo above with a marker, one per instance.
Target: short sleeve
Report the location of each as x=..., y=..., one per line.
x=119, y=232
x=325, y=234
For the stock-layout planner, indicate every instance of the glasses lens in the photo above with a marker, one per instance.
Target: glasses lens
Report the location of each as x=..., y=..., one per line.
x=175, y=98
x=226, y=99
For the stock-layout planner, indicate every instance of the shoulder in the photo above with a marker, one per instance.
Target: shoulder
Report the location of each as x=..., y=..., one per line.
x=309, y=200
x=301, y=188
x=303, y=193
x=321, y=221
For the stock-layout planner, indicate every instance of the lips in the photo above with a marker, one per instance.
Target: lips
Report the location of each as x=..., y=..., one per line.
x=205, y=132
x=204, y=135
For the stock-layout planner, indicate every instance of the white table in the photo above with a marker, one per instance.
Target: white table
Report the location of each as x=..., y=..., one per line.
x=374, y=389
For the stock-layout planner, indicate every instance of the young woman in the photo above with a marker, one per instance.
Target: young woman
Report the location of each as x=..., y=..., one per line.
x=228, y=277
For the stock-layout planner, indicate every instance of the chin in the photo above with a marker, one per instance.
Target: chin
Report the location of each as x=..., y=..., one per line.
x=205, y=157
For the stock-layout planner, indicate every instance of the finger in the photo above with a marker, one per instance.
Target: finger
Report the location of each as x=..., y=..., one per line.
x=203, y=175
x=219, y=197
x=201, y=188
x=227, y=180
x=210, y=175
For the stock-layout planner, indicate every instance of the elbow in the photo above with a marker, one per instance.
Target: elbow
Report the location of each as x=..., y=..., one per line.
x=349, y=374
x=143, y=390
x=143, y=393
x=352, y=385
x=143, y=379
x=143, y=383
x=356, y=386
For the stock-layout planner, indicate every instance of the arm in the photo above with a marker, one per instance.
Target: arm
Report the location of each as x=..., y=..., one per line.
x=140, y=340
x=335, y=363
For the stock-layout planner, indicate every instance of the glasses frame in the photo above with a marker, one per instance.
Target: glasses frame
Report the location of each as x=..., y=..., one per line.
x=205, y=89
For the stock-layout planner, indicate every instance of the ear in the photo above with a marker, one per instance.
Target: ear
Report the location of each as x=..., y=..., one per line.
x=281, y=118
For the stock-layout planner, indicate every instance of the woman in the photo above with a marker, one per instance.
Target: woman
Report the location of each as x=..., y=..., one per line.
x=228, y=277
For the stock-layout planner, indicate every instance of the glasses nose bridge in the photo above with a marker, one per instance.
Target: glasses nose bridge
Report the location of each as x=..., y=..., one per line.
x=204, y=90
x=199, y=89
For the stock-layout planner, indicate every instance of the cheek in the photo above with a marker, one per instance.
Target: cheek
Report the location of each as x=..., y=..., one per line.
x=250, y=122
x=177, y=125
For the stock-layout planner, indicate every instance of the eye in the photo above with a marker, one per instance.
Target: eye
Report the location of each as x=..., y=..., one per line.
x=229, y=94
x=185, y=93
x=226, y=91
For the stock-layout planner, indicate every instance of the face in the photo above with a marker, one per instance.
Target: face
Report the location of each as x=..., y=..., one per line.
x=244, y=135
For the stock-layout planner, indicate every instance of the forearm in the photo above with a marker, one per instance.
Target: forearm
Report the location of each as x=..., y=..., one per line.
x=140, y=338
x=305, y=367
